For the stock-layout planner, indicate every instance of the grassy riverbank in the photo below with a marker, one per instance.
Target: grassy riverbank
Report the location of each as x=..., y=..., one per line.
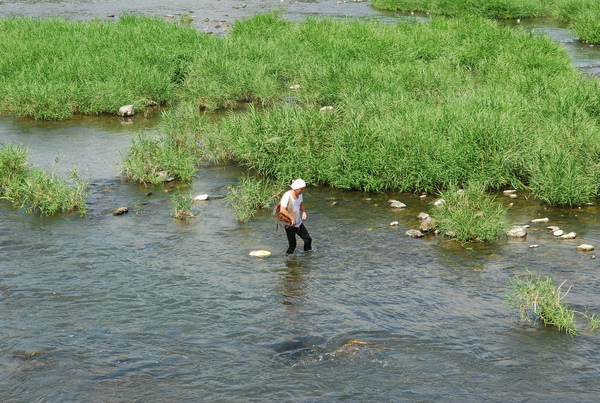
x=54, y=68
x=583, y=15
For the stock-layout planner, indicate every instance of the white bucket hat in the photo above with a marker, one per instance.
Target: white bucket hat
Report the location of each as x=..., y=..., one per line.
x=298, y=184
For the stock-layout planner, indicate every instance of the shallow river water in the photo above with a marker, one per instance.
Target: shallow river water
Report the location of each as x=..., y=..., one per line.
x=141, y=307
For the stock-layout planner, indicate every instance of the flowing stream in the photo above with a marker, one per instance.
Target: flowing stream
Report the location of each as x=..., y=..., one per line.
x=141, y=307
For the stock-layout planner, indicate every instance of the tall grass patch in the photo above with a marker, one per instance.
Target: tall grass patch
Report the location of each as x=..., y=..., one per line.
x=583, y=15
x=469, y=214
x=54, y=68
x=538, y=298
x=36, y=190
x=406, y=107
x=252, y=194
x=489, y=9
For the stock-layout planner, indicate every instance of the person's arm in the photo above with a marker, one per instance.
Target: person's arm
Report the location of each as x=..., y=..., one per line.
x=303, y=211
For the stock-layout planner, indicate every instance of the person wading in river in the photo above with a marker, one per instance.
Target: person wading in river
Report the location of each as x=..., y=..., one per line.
x=292, y=206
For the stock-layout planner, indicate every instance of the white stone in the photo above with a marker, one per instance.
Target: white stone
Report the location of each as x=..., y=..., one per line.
x=553, y=228
x=508, y=192
x=558, y=232
x=540, y=220
x=517, y=232
x=394, y=223
x=585, y=248
x=570, y=235
x=396, y=204
x=423, y=216
x=201, y=197
x=439, y=202
x=127, y=110
x=534, y=246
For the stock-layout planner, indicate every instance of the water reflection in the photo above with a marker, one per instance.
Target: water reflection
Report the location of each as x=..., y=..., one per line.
x=293, y=282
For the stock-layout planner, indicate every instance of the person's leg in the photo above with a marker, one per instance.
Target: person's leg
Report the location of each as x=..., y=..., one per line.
x=303, y=234
x=291, y=236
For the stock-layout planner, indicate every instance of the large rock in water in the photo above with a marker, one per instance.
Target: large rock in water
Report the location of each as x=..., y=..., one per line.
x=396, y=204
x=517, y=232
x=414, y=233
x=127, y=110
x=428, y=224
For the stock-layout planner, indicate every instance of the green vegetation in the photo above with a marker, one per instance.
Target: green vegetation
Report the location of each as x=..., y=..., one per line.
x=351, y=104
x=182, y=206
x=414, y=107
x=489, y=9
x=36, y=190
x=582, y=15
x=539, y=298
x=53, y=68
x=251, y=195
x=470, y=215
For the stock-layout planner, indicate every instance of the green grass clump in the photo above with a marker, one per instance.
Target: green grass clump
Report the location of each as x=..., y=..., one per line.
x=182, y=206
x=252, y=194
x=54, y=68
x=587, y=25
x=470, y=215
x=175, y=153
x=539, y=298
x=35, y=189
x=489, y=9
x=583, y=15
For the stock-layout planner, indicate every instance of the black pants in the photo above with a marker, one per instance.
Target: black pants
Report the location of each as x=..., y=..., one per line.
x=302, y=232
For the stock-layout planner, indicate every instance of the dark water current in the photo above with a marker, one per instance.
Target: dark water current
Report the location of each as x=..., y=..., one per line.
x=141, y=307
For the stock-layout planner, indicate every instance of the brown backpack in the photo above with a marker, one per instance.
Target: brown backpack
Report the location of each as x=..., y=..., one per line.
x=280, y=218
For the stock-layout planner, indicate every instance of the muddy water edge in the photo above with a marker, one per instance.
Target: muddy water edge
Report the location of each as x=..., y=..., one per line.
x=141, y=307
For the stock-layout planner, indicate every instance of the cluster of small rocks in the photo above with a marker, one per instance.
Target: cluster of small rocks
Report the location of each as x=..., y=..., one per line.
x=520, y=231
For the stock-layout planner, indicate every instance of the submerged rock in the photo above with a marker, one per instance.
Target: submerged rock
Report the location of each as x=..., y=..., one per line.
x=121, y=210
x=517, y=232
x=413, y=233
x=396, y=204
